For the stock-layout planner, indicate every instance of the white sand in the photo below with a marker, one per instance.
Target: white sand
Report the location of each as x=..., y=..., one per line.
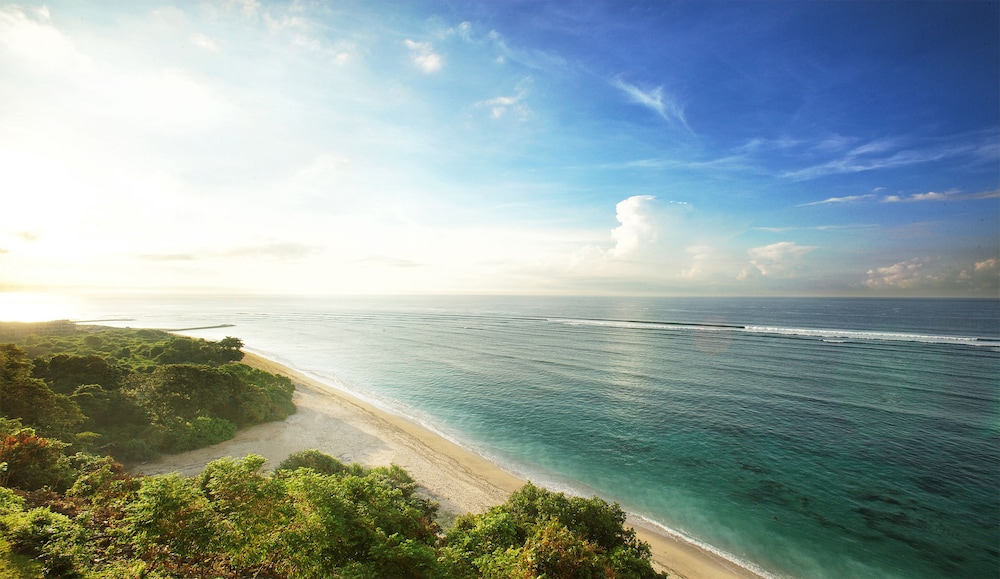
x=352, y=430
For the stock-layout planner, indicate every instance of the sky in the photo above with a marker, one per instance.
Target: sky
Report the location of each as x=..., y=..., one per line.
x=501, y=147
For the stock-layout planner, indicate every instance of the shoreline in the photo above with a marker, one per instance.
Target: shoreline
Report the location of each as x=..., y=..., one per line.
x=461, y=481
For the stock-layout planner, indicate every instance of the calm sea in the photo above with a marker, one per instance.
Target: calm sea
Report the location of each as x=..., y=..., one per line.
x=806, y=437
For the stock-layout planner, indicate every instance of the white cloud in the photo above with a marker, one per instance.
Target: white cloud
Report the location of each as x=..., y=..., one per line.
x=637, y=225
x=168, y=99
x=659, y=244
x=838, y=200
x=248, y=8
x=424, y=57
x=502, y=106
x=938, y=276
x=903, y=275
x=660, y=102
x=890, y=153
x=951, y=195
x=201, y=41
x=777, y=259
x=701, y=256
x=37, y=43
x=986, y=265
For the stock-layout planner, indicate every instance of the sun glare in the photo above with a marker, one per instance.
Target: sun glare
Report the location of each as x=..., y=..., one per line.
x=35, y=307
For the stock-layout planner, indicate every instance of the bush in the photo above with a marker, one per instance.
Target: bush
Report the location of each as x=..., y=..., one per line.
x=32, y=461
x=541, y=533
x=50, y=538
x=318, y=461
x=200, y=432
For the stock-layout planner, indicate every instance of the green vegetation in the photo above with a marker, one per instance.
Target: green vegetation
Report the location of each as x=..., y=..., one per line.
x=69, y=510
x=136, y=393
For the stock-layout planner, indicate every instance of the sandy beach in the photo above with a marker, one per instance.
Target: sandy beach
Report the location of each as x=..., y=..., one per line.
x=353, y=430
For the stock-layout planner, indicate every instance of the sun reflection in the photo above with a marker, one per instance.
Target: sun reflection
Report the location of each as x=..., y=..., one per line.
x=36, y=307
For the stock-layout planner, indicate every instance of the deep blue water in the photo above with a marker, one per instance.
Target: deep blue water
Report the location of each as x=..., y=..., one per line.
x=806, y=437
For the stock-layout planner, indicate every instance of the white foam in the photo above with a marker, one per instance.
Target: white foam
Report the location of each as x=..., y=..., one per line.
x=685, y=538
x=828, y=334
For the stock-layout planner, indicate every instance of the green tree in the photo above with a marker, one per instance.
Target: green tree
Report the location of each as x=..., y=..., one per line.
x=318, y=461
x=541, y=533
x=169, y=522
x=32, y=461
x=65, y=372
x=229, y=349
x=250, y=511
x=30, y=399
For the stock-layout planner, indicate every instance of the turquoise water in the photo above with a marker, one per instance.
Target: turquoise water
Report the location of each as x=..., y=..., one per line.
x=807, y=437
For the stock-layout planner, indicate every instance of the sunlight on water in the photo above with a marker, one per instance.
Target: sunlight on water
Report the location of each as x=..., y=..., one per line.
x=36, y=307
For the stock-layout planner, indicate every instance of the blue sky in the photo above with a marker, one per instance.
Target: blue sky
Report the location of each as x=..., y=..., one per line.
x=675, y=148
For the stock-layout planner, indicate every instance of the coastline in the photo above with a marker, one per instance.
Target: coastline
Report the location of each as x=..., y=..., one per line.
x=353, y=430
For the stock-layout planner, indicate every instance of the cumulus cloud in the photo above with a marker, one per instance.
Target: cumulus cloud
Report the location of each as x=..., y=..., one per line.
x=658, y=243
x=777, y=259
x=937, y=275
x=904, y=274
x=660, y=102
x=424, y=57
x=637, y=226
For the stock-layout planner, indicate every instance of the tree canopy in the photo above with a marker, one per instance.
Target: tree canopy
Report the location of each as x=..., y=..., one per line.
x=136, y=393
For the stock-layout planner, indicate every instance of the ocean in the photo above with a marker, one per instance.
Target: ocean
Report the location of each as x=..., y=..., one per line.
x=799, y=437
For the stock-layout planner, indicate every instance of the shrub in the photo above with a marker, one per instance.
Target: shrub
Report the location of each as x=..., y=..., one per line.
x=318, y=461
x=50, y=538
x=541, y=533
x=32, y=461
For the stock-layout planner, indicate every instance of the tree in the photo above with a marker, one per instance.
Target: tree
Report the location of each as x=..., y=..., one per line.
x=32, y=461
x=541, y=533
x=65, y=372
x=169, y=522
x=229, y=349
x=30, y=399
x=318, y=461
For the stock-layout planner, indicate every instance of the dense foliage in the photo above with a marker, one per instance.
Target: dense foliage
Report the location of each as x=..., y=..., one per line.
x=67, y=510
x=234, y=520
x=135, y=393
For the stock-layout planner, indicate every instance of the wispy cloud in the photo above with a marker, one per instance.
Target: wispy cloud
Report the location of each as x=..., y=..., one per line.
x=501, y=106
x=814, y=227
x=734, y=163
x=952, y=195
x=277, y=251
x=838, y=200
x=889, y=153
x=424, y=57
x=662, y=103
